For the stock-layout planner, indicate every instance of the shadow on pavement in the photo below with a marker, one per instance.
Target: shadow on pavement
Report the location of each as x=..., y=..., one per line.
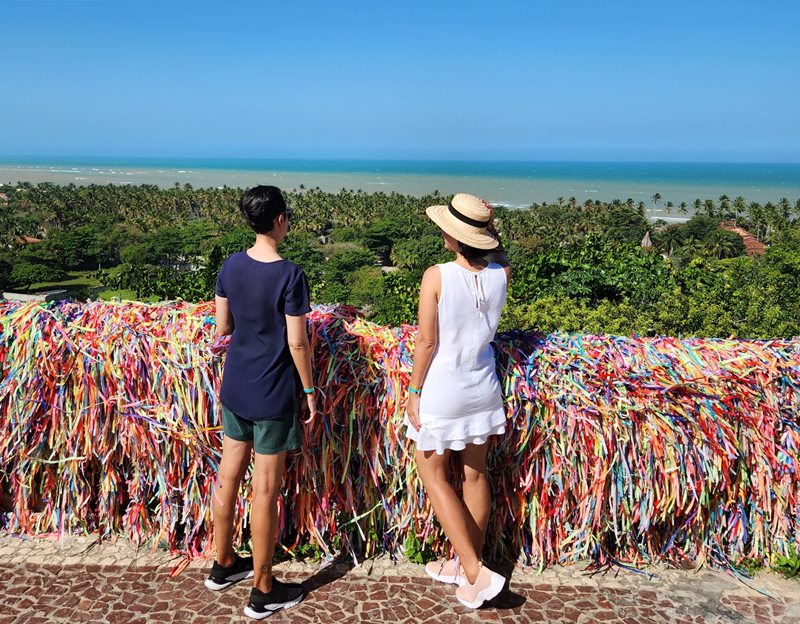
x=506, y=599
x=327, y=574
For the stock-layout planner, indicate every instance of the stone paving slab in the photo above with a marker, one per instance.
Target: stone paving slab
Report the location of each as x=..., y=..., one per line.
x=78, y=580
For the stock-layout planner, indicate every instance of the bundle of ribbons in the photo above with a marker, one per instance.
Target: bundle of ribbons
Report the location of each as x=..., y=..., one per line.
x=617, y=449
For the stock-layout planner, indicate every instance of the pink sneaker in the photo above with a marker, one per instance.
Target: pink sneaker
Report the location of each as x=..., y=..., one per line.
x=486, y=586
x=446, y=572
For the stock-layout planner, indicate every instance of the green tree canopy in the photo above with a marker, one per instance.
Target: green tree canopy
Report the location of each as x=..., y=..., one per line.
x=24, y=274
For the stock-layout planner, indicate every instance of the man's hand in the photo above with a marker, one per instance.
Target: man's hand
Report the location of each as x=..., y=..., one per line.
x=310, y=407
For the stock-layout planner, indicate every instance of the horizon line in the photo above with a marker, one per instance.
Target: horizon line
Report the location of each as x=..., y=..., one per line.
x=19, y=159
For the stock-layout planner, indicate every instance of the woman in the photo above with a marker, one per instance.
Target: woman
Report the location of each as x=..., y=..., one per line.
x=262, y=301
x=454, y=401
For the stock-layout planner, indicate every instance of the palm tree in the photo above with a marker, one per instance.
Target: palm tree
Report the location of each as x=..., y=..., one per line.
x=656, y=199
x=692, y=246
x=771, y=217
x=683, y=208
x=785, y=209
x=739, y=207
x=720, y=246
x=670, y=238
x=755, y=215
x=724, y=206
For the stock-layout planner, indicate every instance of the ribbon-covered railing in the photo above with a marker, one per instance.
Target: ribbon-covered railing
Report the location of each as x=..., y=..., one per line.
x=618, y=449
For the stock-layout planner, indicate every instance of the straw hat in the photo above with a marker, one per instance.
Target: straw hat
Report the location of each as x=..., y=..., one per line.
x=465, y=218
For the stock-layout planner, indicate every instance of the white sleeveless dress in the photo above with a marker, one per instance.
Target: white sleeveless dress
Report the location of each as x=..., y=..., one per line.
x=461, y=402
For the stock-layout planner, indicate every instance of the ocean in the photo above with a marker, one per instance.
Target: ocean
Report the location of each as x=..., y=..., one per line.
x=510, y=183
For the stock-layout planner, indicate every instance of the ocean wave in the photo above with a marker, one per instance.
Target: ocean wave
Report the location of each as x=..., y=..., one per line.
x=507, y=204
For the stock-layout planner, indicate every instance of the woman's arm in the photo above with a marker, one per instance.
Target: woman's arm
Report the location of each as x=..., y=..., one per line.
x=224, y=317
x=499, y=255
x=426, y=338
x=297, y=338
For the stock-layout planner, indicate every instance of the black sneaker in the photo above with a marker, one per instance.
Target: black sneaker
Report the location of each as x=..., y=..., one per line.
x=282, y=596
x=222, y=576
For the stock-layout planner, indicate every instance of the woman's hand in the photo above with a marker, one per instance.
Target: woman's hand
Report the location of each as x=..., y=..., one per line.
x=412, y=410
x=311, y=406
x=490, y=226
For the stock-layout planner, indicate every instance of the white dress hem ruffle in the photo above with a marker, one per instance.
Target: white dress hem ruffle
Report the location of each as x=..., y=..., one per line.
x=475, y=430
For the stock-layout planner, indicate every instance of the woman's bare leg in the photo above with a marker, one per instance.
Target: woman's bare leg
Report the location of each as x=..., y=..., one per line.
x=449, y=510
x=475, y=486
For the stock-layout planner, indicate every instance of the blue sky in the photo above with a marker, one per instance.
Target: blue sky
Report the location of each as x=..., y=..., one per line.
x=581, y=80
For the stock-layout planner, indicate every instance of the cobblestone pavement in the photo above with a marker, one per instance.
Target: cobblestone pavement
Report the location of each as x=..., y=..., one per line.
x=44, y=580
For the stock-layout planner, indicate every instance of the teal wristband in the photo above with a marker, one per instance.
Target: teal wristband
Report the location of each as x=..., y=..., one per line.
x=414, y=390
x=308, y=390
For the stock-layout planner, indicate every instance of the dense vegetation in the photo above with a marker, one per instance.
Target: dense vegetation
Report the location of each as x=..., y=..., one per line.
x=576, y=266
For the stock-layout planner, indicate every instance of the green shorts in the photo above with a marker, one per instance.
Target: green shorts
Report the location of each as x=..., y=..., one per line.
x=269, y=437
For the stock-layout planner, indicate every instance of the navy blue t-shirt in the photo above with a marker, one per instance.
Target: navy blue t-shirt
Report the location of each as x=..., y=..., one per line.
x=259, y=381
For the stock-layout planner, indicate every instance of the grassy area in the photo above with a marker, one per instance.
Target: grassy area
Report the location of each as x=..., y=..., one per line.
x=124, y=295
x=75, y=279
x=79, y=282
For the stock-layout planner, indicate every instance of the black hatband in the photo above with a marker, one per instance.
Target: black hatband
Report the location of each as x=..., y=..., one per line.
x=466, y=219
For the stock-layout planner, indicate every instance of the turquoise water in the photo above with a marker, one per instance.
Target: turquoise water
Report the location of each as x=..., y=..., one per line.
x=515, y=183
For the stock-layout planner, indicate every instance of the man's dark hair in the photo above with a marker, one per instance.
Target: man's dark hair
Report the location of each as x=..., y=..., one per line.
x=260, y=205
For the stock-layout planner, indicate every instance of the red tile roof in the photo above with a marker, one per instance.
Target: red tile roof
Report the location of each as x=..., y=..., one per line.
x=753, y=246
